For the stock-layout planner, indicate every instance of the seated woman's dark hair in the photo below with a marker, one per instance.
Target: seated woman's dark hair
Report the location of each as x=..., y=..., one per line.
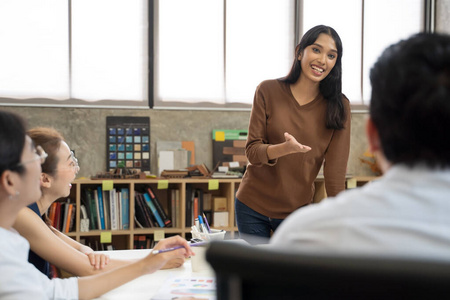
x=12, y=141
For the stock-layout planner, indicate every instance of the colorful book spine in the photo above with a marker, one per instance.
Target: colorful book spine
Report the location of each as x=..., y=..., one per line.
x=69, y=207
x=101, y=207
x=113, y=209
x=93, y=213
x=125, y=209
x=154, y=210
x=159, y=207
x=52, y=212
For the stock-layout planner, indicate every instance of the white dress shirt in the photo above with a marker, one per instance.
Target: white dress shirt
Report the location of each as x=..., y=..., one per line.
x=21, y=280
x=404, y=213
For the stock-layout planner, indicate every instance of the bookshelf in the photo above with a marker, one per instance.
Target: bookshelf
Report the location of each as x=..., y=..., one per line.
x=124, y=238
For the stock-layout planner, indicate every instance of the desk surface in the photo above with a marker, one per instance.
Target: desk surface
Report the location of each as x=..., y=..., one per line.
x=147, y=286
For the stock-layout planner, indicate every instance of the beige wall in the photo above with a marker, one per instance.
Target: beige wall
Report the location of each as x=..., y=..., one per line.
x=85, y=129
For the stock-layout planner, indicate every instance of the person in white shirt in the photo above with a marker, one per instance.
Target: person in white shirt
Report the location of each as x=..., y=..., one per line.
x=20, y=171
x=407, y=211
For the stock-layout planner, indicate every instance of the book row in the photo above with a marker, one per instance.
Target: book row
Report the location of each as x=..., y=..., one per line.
x=62, y=215
x=110, y=209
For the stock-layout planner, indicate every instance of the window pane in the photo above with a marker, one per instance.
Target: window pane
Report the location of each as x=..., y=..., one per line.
x=189, y=54
x=330, y=13
x=259, y=44
x=34, y=56
x=386, y=22
x=109, y=50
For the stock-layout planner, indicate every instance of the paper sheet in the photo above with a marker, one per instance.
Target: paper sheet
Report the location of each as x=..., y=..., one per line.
x=201, y=288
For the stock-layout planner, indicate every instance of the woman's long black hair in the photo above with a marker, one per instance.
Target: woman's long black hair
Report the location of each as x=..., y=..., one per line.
x=331, y=86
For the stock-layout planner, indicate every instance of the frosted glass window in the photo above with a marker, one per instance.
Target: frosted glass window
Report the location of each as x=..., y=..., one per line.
x=109, y=50
x=205, y=53
x=386, y=22
x=190, y=51
x=260, y=44
x=87, y=50
x=34, y=51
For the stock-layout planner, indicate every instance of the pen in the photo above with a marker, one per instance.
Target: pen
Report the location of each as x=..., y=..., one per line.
x=197, y=223
x=177, y=247
x=206, y=223
x=202, y=225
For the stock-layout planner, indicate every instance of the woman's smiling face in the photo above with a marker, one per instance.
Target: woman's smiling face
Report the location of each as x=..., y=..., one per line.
x=319, y=58
x=66, y=171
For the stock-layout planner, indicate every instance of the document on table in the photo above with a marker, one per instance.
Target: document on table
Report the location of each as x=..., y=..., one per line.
x=201, y=288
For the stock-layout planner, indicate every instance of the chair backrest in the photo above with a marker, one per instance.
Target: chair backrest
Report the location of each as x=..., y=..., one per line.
x=249, y=272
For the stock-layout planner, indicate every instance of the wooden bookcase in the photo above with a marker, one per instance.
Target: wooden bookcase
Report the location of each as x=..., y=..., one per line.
x=124, y=239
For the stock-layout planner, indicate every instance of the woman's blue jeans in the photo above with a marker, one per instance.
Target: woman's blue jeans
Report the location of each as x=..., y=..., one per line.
x=254, y=227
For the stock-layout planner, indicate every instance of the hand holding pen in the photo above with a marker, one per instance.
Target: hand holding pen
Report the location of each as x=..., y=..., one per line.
x=172, y=259
x=173, y=243
x=177, y=247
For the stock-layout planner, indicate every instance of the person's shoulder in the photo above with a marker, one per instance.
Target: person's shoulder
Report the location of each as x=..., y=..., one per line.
x=343, y=202
x=345, y=100
x=34, y=207
x=270, y=83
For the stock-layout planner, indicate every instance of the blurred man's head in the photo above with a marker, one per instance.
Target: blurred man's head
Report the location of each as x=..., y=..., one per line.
x=410, y=104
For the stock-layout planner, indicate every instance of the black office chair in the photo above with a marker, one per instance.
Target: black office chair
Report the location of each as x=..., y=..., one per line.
x=248, y=272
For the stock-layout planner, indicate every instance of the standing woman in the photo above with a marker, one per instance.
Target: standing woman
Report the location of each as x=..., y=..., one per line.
x=297, y=123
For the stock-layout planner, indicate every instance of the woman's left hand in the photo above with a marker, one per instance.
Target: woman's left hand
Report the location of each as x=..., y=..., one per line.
x=97, y=260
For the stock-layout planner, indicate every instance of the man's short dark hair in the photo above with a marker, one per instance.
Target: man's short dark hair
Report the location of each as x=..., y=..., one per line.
x=410, y=104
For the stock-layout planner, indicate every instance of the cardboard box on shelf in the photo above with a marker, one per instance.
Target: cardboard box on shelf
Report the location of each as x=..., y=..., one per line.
x=220, y=204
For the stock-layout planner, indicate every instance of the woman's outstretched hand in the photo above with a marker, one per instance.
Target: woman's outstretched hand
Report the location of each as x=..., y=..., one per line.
x=293, y=145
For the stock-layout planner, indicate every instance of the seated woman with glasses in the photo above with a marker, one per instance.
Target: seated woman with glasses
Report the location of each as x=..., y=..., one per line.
x=47, y=244
x=20, y=186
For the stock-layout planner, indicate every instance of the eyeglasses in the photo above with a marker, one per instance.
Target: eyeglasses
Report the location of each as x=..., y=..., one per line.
x=76, y=166
x=40, y=155
x=73, y=165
